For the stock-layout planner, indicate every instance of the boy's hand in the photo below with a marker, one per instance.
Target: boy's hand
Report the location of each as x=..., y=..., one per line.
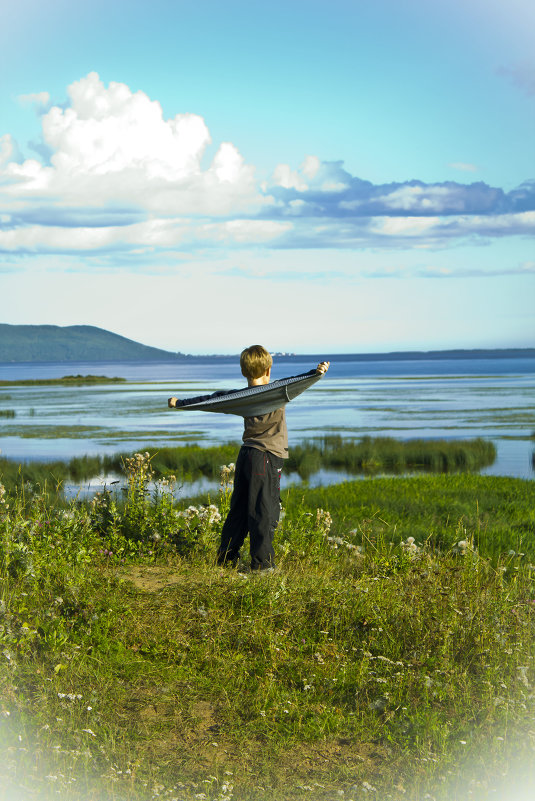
x=322, y=367
x=172, y=402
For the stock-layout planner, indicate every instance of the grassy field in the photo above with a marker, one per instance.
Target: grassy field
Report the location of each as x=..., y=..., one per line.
x=390, y=655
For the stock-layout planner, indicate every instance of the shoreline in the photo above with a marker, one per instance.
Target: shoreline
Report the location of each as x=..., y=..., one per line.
x=395, y=356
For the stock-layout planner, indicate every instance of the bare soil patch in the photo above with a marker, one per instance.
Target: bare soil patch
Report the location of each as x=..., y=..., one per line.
x=150, y=578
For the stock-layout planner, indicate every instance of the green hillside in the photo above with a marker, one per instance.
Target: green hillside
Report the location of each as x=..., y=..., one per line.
x=74, y=343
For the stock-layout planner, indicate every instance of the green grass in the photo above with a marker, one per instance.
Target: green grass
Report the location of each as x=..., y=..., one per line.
x=497, y=513
x=392, y=649
x=44, y=431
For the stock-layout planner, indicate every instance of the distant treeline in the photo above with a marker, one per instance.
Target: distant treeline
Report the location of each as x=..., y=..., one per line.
x=413, y=355
x=420, y=355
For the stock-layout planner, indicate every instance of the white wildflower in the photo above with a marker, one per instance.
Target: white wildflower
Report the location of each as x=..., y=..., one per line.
x=323, y=519
x=523, y=669
x=410, y=547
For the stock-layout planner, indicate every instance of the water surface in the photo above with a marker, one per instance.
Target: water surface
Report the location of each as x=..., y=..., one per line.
x=405, y=399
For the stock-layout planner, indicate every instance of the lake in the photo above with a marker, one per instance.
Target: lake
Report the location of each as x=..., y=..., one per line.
x=457, y=398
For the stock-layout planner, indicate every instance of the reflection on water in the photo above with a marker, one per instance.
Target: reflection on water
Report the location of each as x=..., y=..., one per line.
x=190, y=489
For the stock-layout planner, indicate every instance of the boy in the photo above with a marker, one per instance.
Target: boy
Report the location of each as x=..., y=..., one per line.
x=255, y=501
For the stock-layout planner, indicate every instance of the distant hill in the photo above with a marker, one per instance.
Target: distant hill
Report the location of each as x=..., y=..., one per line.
x=86, y=343
x=73, y=343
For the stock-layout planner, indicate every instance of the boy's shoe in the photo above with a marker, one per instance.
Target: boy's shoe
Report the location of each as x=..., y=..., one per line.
x=265, y=570
x=225, y=560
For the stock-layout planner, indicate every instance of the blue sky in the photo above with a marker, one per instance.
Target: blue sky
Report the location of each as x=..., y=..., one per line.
x=316, y=176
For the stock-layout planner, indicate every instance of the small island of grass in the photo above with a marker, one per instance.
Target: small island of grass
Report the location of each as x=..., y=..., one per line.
x=67, y=380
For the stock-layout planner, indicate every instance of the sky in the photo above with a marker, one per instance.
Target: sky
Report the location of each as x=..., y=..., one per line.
x=318, y=177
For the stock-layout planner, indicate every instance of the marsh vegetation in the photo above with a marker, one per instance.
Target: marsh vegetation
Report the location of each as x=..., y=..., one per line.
x=367, y=456
x=67, y=380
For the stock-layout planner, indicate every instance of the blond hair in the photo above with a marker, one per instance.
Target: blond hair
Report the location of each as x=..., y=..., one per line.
x=255, y=361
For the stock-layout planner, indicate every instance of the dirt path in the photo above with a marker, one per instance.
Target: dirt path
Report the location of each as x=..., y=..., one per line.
x=150, y=578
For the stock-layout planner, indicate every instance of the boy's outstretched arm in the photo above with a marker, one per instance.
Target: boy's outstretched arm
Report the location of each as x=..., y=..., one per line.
x=322, y=367
x=175, y=403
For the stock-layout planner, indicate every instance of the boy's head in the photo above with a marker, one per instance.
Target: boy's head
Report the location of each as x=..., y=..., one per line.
x=255, y=362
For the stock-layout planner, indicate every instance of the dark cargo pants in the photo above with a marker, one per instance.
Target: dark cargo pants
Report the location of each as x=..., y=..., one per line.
x=254, y=508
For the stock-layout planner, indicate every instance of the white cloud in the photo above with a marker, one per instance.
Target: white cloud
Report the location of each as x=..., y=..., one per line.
x=442, y=231
x=436, y=272
x=312, y=175
x=7, y=149
x=418, y=198
x=149, y=234
x=118, y=178
x=248, y=231
x=36, y=238
x=106, y=131
x=463, y=166
x=112, y=145
x=284, y=176
x=334, y=186
x=311, y=166
x=38, y=99
x=403, y=226
x=496, y=224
